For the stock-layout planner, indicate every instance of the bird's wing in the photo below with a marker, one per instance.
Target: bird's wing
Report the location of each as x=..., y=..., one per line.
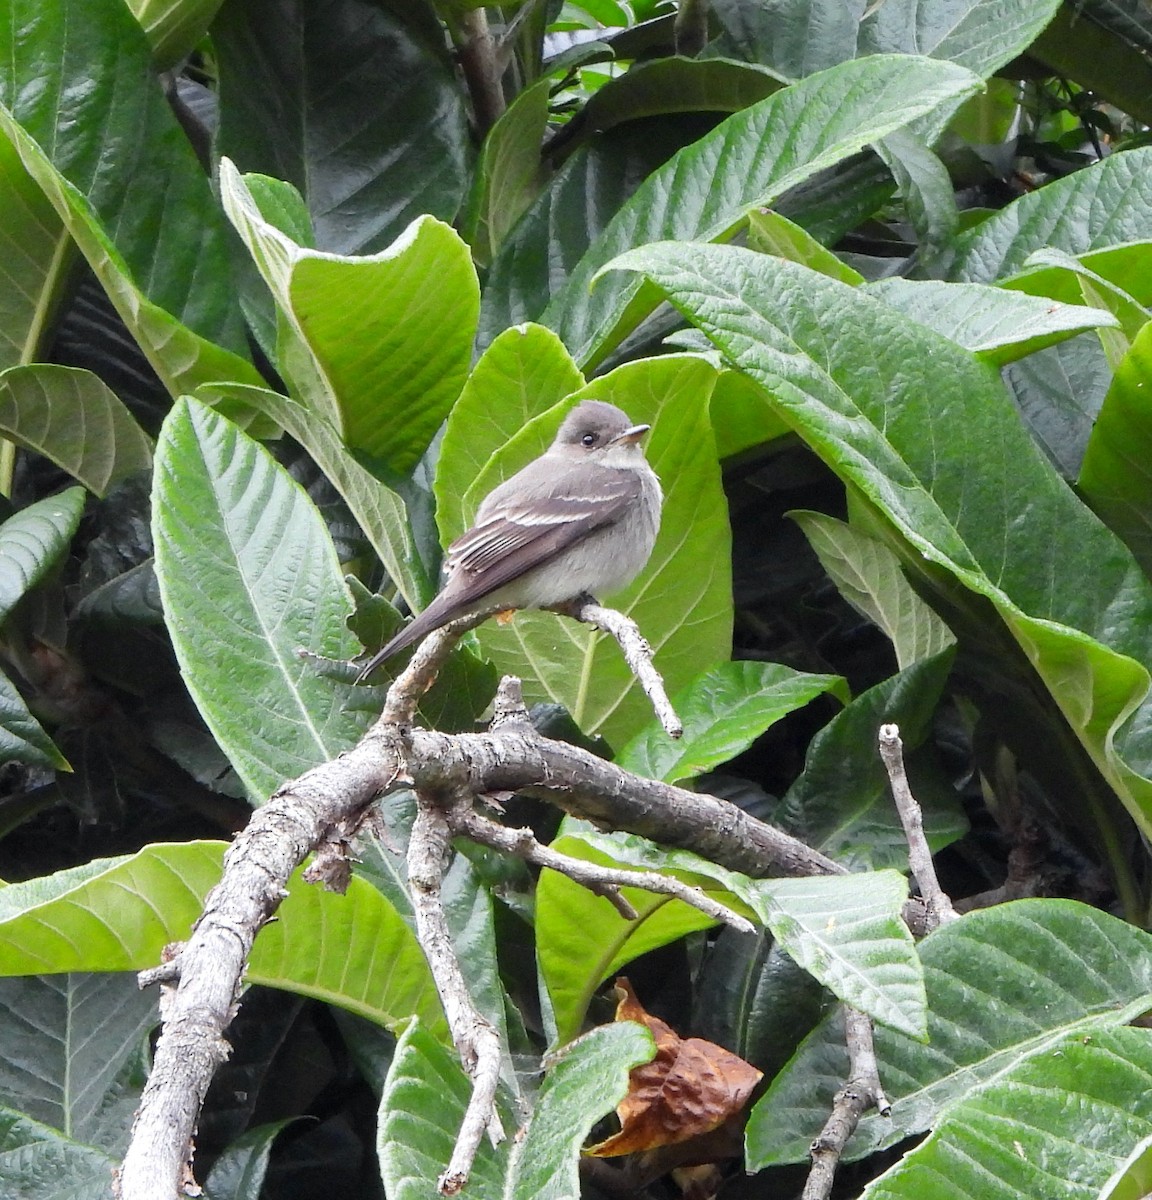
x=548, y=507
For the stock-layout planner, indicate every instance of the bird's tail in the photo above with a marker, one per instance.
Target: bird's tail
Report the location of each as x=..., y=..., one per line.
x=435, y=615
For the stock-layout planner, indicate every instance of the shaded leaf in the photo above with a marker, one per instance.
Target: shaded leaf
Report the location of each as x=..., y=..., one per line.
x=30, y=1153
x=867, y=574
x=771, y=233
x=22, y=738
x=32, y=541
x=378, y=133
x=71, y=417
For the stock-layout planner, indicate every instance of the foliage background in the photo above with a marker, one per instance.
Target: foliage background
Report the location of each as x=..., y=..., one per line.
x=285, y=288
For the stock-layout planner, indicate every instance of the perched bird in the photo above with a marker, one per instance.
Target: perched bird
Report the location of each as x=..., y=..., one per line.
x=579, y=520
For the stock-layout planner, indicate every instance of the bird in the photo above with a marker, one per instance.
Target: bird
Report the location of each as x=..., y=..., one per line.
x=580, y=520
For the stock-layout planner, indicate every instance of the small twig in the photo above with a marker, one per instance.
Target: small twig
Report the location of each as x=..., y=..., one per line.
x=599, y=879
x=637, y=654
x=919, y=855
x=478, y=61
x=476, y=1039
x=408, y=688
x=861, y=1092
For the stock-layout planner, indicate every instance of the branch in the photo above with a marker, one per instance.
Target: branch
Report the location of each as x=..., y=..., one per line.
x=476, y=1039
x=936, y=900
x=861, y=1092
x=478, y=61
x=637, y=654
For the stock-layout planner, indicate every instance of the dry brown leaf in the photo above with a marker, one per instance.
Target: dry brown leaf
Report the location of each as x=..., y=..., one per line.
x=691, y=1087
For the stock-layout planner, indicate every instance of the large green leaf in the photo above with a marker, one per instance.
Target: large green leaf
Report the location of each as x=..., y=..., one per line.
x=118, y=914
x=173, y=27
x=66, y=1043
x=119, y=145
x=390, y=336
x=876, y=396
x=1002, y=983
x=72, y=417
x=427, y=1092
x=1116, y=475
x=802, y=36
x=248, y=576
x=723, y=710
x=997, y=324
x=22, y=738
x=682, y=601
x=355, y=103
x=847, y=931
x=1058, y=1123
x=32, y=542
x=779, y=142
x=35, y=255
x=380, y=512
x=1105, y=205
x=522, y=374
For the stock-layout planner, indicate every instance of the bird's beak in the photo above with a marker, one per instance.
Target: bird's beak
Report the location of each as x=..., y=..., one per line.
x=630, y=436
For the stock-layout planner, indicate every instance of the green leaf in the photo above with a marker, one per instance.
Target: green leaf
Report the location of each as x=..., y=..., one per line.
x=238, y=1174
x=981, y=35
x=991, y=512
x=248, y=577
x=848, y=932
x=509, y=174
x=72, y=417
x=782, y=141
x=521, y=375
x=1067, y=1114
x=114, y=158
x=867, y=574
x=32, y=541
x=31, y=1153
x=682, y=601
x=999, y=325
x=1003, y=983
x=379, y=511
x=118, y=914
x=1133, y=1179
x=389, y=352
x=927, y=191
x=427, y=1093
x=1103, y=206
x=1116, y=475
x=724, y=711
x=771, y=233
x=22, y=738
x=173, y=27
x=581, y=938
x=66, y=1044
x=35, y=257
x=378, y=128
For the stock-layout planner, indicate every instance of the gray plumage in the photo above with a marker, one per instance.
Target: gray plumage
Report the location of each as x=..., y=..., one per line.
x=580, y=519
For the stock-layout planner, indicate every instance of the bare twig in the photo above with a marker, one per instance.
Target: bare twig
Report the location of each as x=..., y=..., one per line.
x=938, y=904
x=604, y=881
x=637, y=654
x=476, y=1039
x=861, y=1092
x=478, y=61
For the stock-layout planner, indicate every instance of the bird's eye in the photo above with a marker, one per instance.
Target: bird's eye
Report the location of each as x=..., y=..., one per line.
x=589, y=439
